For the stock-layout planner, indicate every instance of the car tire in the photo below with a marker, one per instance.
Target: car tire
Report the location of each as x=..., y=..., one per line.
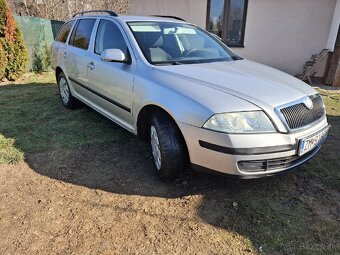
x=168, y=148
x=65, y=94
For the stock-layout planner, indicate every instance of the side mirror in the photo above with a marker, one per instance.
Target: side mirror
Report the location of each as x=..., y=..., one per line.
x=114, y=55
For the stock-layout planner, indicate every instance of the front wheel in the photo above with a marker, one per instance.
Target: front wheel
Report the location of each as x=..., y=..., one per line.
x=169, y=152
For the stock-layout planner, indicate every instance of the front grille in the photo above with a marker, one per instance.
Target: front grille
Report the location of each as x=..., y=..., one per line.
x=299, y=115
x=274, y=164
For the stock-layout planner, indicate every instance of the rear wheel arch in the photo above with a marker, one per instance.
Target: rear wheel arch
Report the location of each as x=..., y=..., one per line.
x=68, y=100
x=58, y=71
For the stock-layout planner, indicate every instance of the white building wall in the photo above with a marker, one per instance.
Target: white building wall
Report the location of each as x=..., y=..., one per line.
x=334, y=27
x=279, y=33
x=284, y=34
x=194, y=11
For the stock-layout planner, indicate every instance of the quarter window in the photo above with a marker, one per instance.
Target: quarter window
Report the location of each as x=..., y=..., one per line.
x=226, y=18
x=109, y=37
x=81, y=35
x=64, y=31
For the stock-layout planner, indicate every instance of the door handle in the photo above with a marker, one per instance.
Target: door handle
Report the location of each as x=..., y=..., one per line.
x=65, y=54
x=91, y=66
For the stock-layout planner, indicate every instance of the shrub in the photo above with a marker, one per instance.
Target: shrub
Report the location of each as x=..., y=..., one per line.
x=12, y=43
x=3, y=8
x=42, y=61
x=3, y=61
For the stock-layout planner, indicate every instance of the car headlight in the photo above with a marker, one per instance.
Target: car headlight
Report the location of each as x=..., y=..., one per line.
x=240, y=122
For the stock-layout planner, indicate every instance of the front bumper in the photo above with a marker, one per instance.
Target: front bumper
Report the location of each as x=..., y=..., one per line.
x=247, y=155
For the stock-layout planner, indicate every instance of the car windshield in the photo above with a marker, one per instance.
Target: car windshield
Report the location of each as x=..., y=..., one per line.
x=165, y=43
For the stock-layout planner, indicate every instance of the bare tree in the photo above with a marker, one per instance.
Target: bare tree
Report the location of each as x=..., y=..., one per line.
x=64, y=9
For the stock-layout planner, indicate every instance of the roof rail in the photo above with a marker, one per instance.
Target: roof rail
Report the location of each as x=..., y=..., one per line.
x=167, y=16
x=111, y=13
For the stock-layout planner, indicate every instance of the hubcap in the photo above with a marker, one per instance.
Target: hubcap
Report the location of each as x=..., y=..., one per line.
x=64, y=91
x=156, y=151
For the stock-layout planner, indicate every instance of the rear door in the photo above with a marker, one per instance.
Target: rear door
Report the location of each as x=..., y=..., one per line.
x=76, y=55
x=112, y=81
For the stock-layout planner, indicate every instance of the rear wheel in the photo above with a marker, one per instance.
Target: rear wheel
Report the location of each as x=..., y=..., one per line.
x=65, y=94
x=168, y=148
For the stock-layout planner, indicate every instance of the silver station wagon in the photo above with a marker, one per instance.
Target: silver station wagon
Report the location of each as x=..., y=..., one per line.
x=198, y=104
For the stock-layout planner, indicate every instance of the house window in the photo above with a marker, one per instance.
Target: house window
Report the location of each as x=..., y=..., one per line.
x=227, y=18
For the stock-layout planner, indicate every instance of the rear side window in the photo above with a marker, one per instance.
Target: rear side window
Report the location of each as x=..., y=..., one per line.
x=64, y=31
x=81, y=35
x=109, y=37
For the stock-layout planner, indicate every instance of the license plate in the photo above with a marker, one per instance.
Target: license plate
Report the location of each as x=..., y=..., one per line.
x=309, y=143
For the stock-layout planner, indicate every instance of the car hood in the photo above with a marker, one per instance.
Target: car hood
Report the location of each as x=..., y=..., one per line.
x=261, y=85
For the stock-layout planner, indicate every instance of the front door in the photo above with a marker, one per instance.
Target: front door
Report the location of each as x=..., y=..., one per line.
x=112, y=82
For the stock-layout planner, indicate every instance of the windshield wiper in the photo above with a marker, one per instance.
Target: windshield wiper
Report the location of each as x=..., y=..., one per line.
x=236, y=58
x=176, y=63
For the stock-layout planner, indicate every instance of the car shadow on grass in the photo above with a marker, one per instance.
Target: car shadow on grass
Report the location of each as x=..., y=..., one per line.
x=293, y=213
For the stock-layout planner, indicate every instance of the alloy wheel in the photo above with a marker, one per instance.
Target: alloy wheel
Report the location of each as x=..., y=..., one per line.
x=155, y=146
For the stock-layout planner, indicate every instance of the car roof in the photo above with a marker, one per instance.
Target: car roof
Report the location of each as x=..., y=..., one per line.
x=129, y=18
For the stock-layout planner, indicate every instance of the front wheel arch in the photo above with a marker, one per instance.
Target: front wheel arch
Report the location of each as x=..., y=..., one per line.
x=143, y=123
x=144, y=117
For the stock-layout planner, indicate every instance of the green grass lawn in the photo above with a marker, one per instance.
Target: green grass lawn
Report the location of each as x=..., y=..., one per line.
x=297, y=213
x=31, y=113
x=8, y=153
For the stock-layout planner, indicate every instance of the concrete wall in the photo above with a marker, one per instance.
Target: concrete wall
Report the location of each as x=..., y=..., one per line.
x=279, y=33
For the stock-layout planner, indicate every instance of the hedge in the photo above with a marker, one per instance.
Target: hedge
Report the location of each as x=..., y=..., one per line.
x=12, y=47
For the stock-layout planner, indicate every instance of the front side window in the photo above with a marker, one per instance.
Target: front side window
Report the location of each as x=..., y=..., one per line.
x=109, y=37
x=81, y=36
x=226, y=18
x=64, y=31
x=178, y=43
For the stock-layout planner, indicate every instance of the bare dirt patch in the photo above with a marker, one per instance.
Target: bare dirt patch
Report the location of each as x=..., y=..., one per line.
x=104, y=201
x=107, y=200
